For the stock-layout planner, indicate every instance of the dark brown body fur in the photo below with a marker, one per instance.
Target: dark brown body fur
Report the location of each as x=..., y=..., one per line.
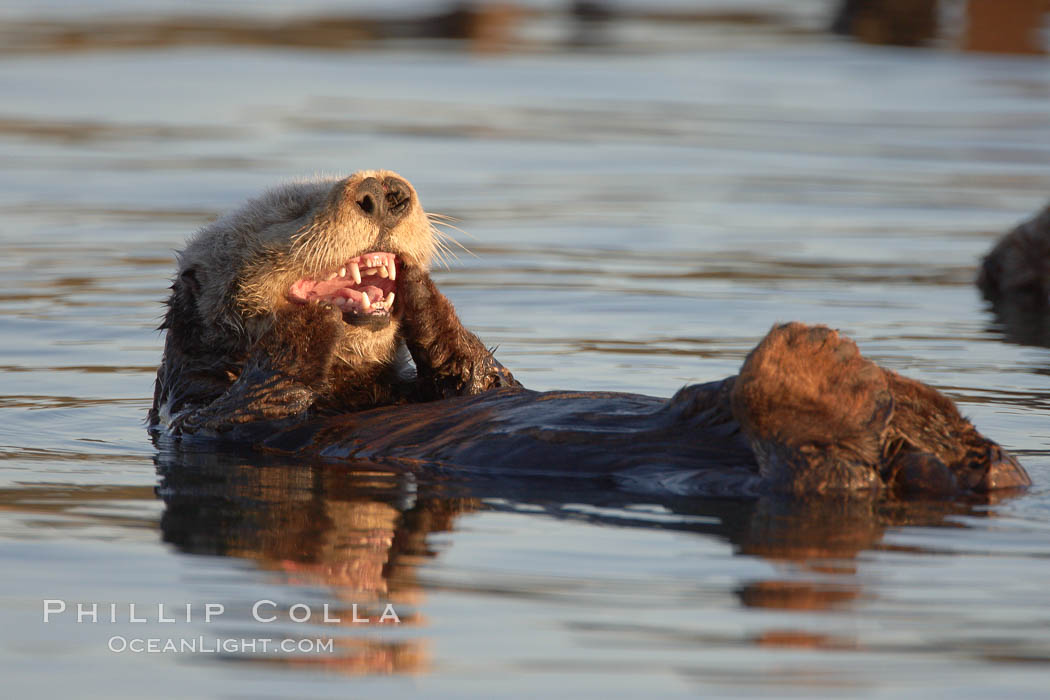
x=1016, y=271
x=807, y=413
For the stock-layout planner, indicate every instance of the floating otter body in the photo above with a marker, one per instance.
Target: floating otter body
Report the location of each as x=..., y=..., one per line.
x=289, y=318
x=1016, y=271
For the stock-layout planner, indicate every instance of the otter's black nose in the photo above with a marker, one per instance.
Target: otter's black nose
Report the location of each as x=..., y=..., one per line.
x=387, y=202
x=369, y=197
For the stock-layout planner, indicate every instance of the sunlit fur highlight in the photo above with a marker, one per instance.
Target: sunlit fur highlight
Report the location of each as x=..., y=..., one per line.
x=247, y=260
x=806, y=391
x=820, y=418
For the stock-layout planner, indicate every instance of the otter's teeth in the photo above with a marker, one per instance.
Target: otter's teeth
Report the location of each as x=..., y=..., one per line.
x=366, y=303
x=392, y=270
x=390, y=300
x=370, y=271
x=342, y=272
x=355, y=271
x=331, y=277
x=383, y=272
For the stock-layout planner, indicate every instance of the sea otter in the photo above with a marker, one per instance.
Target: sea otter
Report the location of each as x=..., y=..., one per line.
x=1016, y=271
x=293, y=305
x=287, y=330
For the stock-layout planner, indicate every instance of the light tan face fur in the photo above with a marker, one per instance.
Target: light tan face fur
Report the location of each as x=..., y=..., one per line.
x=246, y=261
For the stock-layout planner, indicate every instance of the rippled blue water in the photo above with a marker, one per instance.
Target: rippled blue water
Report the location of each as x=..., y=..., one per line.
x=637, y=221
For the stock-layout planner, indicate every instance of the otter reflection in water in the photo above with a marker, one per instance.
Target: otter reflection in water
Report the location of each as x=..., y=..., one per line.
x=359, y=531
x=288, y=317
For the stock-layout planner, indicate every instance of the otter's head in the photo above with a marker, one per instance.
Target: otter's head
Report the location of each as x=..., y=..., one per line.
x=327, y=241
x=821, y=418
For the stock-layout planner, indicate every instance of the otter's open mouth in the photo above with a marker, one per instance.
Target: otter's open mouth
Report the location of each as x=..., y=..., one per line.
x=363, y=287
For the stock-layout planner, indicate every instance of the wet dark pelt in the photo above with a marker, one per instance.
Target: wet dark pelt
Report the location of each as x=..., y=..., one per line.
x=1016, y=272
x=306, y=324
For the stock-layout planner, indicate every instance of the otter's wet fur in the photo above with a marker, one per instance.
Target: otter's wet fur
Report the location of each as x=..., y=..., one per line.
x=248, y=361
x=1016, y=271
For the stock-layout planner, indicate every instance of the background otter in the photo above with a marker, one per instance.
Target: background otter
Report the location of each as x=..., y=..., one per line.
x=288, y=316
x=1016, y=271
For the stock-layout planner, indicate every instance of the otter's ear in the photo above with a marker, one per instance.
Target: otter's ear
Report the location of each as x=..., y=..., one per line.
x=189, y=282
x=182, y=316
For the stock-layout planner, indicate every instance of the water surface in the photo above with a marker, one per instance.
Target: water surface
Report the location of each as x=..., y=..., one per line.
x=637, y=221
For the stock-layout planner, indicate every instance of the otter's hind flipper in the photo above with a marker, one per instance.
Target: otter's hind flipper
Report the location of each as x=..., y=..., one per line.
x=822, y=418
x=814, y=410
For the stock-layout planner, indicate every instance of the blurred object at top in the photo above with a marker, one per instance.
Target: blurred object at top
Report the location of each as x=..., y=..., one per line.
x=896, y=22
x=1001, y=26
x=1006, y=26
x=1015, y=26
x=484, y=26
x=475, y=25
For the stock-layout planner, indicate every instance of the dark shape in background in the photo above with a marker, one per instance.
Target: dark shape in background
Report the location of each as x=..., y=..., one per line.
x=1015, y=277
x=894, y=22
x=1002, y=26
x=996, y=26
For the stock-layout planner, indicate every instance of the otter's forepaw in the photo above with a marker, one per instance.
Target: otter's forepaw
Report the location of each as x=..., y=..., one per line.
x=449, y=359
x=415, y=294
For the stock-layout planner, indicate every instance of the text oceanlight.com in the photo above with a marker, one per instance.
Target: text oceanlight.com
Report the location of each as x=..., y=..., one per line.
x=221, y=645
